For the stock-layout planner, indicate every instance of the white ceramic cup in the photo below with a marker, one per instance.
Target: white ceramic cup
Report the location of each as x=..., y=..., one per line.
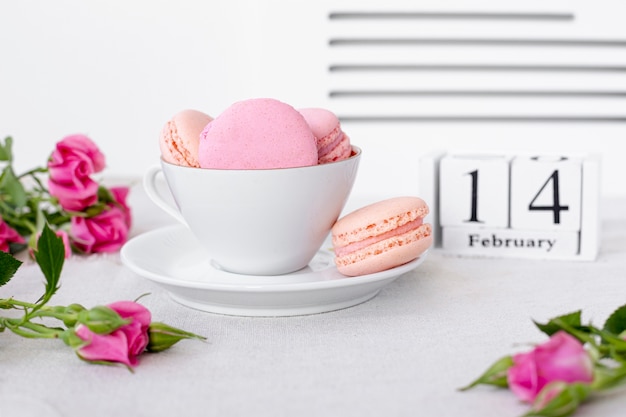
x=257, y=222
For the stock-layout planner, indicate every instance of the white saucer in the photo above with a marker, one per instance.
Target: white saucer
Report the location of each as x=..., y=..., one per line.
x=172, y=258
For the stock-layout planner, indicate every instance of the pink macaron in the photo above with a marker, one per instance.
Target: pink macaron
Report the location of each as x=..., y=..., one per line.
x=381, y=236
x=332, y=143
x=180, y=137
x=260, y=133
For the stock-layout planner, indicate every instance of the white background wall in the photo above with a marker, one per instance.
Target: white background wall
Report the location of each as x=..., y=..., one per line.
x=118, y=69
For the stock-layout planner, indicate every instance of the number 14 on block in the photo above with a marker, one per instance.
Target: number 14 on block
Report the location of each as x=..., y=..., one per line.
x=530, y=206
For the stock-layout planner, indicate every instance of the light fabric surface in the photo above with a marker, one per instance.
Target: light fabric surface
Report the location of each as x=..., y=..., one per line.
x=403, y=353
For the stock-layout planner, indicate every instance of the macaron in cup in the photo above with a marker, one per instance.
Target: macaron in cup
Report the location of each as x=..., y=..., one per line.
x=180, y=137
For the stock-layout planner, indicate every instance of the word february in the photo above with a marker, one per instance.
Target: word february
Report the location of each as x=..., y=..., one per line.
x=504, y=242
x=494, y=241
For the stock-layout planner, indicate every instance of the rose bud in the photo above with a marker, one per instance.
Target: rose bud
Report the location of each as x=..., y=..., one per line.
x=163, y=336
x=101, y=319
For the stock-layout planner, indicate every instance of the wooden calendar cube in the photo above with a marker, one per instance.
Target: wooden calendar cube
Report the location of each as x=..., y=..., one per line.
x=546, y=193
x=473, y=190
x=522, y=206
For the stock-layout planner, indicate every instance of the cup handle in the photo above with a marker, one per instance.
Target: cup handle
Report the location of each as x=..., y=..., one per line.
x=149, y=185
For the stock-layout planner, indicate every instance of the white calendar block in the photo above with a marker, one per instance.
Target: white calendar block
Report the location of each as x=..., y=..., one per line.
x=474, y=190
x=551, y=204
x=546, y=193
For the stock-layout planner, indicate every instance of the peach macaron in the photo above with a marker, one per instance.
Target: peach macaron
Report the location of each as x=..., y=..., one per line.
x=180, y=137
x=332, y=142
x=381, y=236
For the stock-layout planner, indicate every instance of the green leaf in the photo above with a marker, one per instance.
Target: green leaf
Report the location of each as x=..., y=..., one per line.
x=50, y=256
x=559, y=399
x=102, y=319
x=556, y=324
x=605, y=377
x=8, y=267
x=616, y=323
x=613, y=346
x=13, y=187
x=5, y=149
x=496, y=374
x=105, y=196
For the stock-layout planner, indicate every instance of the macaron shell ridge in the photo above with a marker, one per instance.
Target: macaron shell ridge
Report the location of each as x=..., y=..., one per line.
x=341, y=151
x=388, y=253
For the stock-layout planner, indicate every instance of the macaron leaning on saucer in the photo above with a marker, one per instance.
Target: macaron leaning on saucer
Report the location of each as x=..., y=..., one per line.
x=180, y=137
x=381, y=236
x=332, y=143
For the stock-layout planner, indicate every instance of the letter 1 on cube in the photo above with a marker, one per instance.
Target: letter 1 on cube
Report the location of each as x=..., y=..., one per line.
x=546, y=192
x=474, y=190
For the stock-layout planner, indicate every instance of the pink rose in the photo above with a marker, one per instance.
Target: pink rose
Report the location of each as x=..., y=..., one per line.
x=562, y=358
x=120, y=194
x=124, y=344
x=105, y=232
x=66, y=242
x=75, y=158
x=8, y=235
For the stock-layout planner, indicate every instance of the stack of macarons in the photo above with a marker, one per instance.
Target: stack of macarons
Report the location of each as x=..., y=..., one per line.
x=265, y=133
x=261, y=133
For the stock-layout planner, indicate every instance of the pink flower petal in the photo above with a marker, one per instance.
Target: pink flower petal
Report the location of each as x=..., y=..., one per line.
x=111, y=347
x=562, y=358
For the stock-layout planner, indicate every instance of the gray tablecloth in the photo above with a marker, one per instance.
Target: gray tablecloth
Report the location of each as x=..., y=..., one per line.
x=403, y=353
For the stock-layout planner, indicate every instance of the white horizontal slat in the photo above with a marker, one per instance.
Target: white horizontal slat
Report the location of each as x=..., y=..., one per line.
x=522, y=29
x=476, y=54
x=479, y=80
x=571, y=19
x=481, y=107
